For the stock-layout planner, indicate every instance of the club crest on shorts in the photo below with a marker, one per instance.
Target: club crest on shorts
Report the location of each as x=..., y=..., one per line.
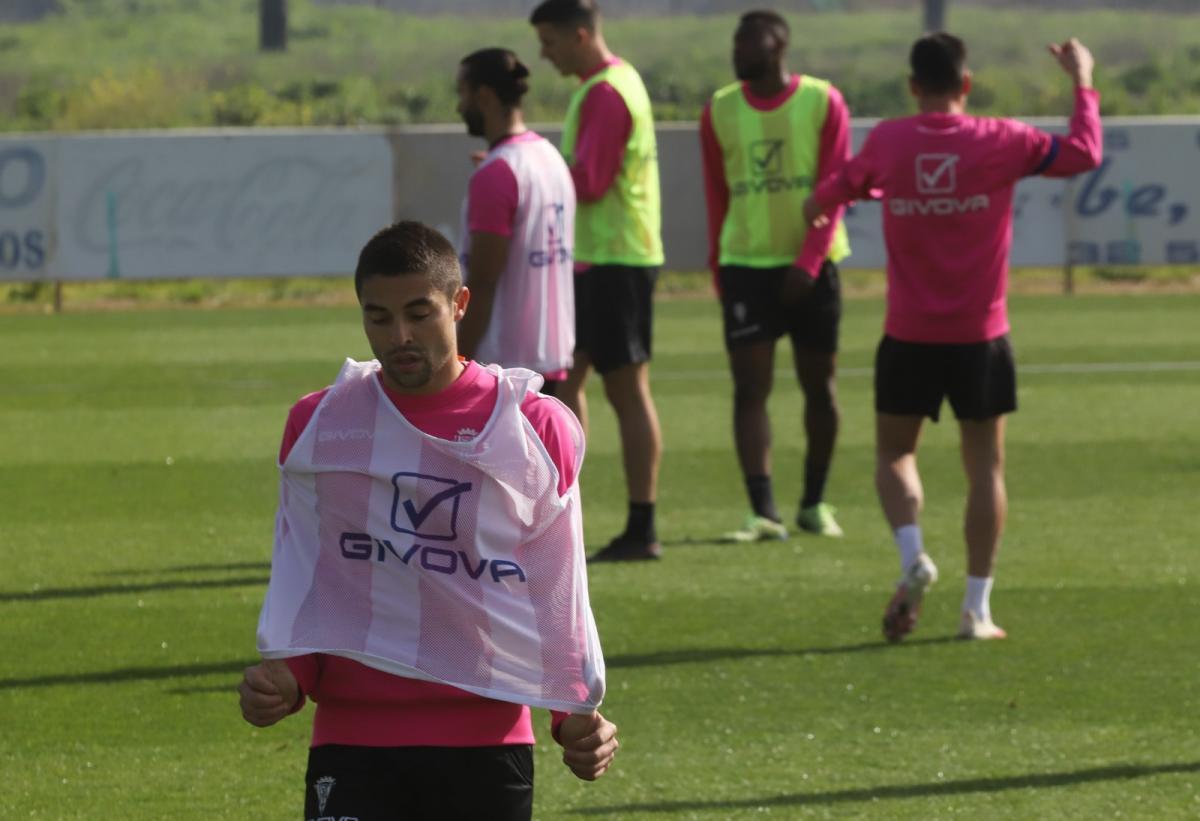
x=323, y=786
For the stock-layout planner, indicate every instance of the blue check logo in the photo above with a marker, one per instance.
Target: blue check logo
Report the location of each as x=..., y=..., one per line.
x=766, y=158
x=426, y=507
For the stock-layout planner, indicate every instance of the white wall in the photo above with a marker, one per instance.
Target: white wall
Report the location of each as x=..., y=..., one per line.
x=278, y=202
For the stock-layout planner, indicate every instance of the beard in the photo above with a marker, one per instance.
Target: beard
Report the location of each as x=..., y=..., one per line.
x=749, y=72
x=474, y=121
x=416, y=372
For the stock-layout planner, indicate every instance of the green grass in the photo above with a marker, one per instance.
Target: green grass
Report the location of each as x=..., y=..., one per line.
x=162, y=63
x=137, y=492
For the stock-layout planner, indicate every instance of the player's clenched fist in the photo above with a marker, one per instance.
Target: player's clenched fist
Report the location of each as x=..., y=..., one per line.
x=1075, y=60
x=589, y=744
x=268, y=692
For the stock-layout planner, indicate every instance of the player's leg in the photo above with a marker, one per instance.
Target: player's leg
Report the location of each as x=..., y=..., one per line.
x=752, y=367
x=983, y=390
x=901, y=496
x=814, y=334
x=623, y=296
x=908, y=387
x=572, y=389
x=983, y=522
x=748, y=296
x=627, y=389
x=897, y=480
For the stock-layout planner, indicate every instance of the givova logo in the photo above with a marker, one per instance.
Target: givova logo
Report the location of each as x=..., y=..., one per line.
x=433, y=514
x=766, y=158
x=936, y=173
x=767, y=172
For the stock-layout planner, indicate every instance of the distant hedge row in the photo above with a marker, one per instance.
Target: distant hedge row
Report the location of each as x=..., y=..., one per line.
x=99, y=65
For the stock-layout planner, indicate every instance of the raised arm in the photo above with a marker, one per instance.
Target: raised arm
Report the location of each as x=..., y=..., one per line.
x=1082, y=149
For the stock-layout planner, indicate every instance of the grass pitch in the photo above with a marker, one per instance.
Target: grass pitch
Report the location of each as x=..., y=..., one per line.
x=137, y=490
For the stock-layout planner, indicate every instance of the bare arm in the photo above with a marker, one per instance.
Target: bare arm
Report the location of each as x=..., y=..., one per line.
x=485, y=264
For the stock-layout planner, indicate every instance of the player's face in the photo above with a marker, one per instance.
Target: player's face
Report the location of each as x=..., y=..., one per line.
x=559, y=46
x=468, y=106
x=410, y=327
x=755, y=51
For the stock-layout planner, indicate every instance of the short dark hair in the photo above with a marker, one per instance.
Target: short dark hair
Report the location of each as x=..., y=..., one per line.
x=768, y=20
x=938, y=61
x=410, y=247
x=500, y=70
x=567, y=14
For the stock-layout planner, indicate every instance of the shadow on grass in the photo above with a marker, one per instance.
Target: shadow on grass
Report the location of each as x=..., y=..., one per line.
x=707, y=654
x=226, y=689
x=1035, y=781
x=125, y=589
x=128, y=674
x=189, y=568
x=627, y=660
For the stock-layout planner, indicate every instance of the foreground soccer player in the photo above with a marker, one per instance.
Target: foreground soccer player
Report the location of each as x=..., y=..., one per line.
x=518, y=231
x=428, y=578
x=765, y=140
x=608, y=141
x=947, y=182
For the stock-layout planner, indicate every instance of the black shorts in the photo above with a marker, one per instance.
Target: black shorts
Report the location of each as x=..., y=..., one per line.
x=912, y=378
x=419, y=783
x=753, y=310
x=614, y=311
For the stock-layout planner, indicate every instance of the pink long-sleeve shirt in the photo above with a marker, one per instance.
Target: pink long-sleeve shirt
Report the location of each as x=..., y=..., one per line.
x=361, y=706
x=947, y=181
x=833, y=153
x=605, y=124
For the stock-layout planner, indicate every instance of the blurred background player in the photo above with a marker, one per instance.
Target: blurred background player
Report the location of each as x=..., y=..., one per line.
x=519, y=229
x=765, y=140
x=386, y=745
x=946, y=180
x=609, y=143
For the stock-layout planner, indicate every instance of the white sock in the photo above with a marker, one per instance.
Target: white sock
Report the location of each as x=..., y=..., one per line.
x=979, y=591
x=908, y=541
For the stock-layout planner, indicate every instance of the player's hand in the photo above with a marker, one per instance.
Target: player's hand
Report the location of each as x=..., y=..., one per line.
x=814, y=214
x=797, y=285
x=1075, y=60
x=589, y=744
x=268, y=692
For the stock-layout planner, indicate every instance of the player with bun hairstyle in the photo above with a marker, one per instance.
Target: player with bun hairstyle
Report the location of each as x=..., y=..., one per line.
x=518, y=233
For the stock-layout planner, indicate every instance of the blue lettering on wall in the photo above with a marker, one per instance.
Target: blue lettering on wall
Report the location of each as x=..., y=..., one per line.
x=10, y=250
x=1123, y=252
x=35, y=250
x=1116, y=139
x=1183, y=252
x=1083, y=253
x=22, y=176
x=1143, y=201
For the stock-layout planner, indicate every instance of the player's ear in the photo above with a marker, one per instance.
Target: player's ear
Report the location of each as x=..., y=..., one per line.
x=966, y=83
x=913, y=88
x=460, y=302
